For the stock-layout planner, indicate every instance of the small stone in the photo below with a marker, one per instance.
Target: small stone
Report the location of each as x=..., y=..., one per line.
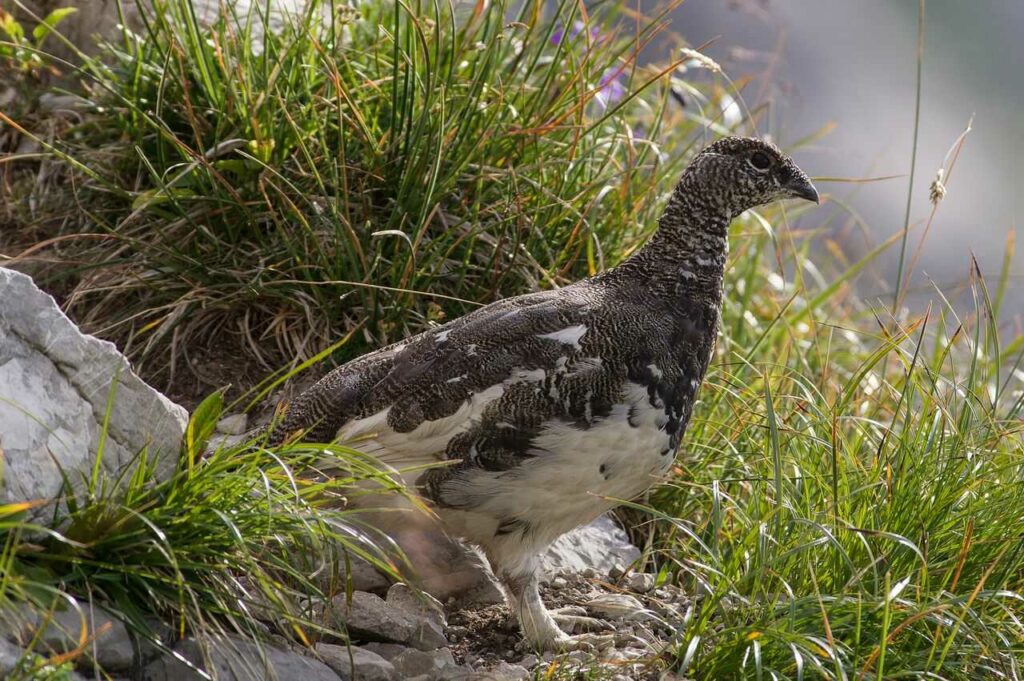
x=639, y=582
x=367, y=616
x=386, y=650
x=529, y=661
x=110, y=644
x=503, y=671
x=356, y=664
x=426, y=613
x=437, y=665
x=616, y=571
x=559, y=583
x=235, y=424
x=589, y=572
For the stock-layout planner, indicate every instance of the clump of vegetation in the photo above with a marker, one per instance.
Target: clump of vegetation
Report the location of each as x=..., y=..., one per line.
x=236, y=539
x=270, y=187
x=849, y=501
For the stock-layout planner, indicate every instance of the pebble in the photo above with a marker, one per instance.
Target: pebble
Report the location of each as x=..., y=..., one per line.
x=639, y=582
x=529, y=661
x=437, y=665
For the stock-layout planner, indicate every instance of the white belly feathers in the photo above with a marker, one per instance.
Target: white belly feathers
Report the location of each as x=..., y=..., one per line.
x=573, y=474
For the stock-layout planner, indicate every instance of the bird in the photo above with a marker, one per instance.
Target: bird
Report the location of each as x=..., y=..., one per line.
x=550, y=408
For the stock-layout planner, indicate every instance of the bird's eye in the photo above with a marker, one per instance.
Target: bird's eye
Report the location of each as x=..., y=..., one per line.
x=760, y=161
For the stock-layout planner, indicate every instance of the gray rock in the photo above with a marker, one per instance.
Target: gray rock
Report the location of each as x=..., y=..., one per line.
x=386, y=650
x=356, y=664
x=368, y=616
x=236, y=659
x=364, y=576
x=9, y=656
x=504, y=671
x=110, y=644
x=55, y=383
x=436, y=665
x=425, y=612
x=400, y=619
x=639, y=582
x=233, y=425
x=600, y=546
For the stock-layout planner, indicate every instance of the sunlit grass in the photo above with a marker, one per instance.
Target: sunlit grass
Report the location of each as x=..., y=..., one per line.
x=236, y=540
x=381, y=167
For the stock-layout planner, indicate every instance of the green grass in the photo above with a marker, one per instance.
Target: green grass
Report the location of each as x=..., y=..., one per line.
x=235, y=540
x=379, y=168
x=851, y=501
x=849, y=504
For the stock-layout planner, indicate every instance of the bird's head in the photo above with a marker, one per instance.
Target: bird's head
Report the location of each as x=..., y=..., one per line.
x=740, y=173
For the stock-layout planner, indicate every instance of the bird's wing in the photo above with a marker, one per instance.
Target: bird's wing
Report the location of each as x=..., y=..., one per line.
x=406, y=401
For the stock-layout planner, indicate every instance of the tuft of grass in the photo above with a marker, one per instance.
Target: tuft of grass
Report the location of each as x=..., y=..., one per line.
x=850, y=502
x=237, y=540
x=267, y=185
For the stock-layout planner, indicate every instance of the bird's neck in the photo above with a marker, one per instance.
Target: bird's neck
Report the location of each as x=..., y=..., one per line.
x=685, y=258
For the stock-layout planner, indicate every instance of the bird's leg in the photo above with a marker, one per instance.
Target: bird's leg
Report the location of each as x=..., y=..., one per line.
x=538, y=626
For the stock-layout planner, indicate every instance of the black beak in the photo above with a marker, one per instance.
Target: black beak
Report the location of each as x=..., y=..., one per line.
x=800, y=187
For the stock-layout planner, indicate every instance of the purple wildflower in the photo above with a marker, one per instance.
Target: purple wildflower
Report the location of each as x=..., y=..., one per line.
x=574, y=32
x=610, y=89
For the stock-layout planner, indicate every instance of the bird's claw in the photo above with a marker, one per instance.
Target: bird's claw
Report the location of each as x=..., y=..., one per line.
x=575, y=619
x=586, y=642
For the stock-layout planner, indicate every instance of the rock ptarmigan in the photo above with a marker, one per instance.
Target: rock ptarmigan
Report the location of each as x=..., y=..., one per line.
x=550, y=406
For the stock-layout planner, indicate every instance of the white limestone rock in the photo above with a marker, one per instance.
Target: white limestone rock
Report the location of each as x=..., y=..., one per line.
x=600, y=546
x=55, y=383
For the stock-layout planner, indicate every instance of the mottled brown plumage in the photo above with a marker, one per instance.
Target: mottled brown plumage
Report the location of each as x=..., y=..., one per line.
x=552, y=405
